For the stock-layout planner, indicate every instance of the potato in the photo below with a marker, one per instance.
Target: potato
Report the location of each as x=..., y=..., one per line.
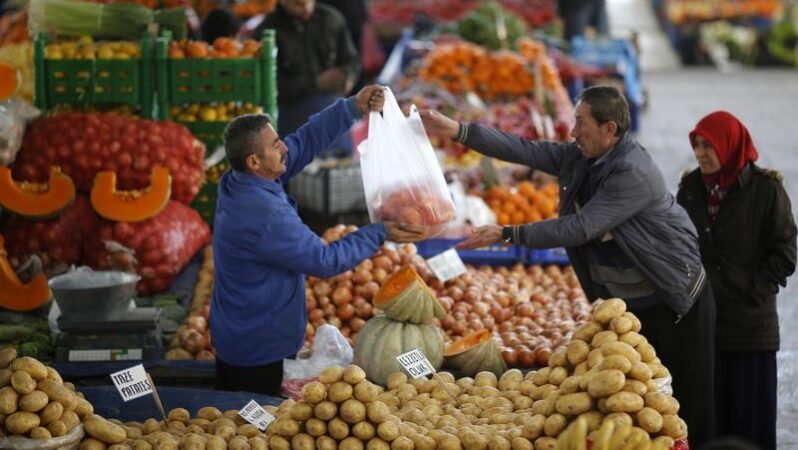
x=331, y=374
x=364, y=431
x=558, y=375
x=620, y=419
x=619, y=362
x=521, y=443
x=213, y=442
x=555, y=423
x=278, y=443
x=258, y=443
x=325, y=410
x=541, y=376
x=608, y=310
x=33, y=402
x=632, y=338
x=301, y=411
x=21, y=422
x=623, y=401
x=33, y=367
x=587, y=331
x=647, y=352
x=533, y=427
x=192, y=441
x=179, y=415
x=22, y=382
x=324, y=443
x=558, y=358
x=5, y=377
x=313, y=392
x=9, y=398
x=7, y=355
x=119, y=447
x=422, y=442
x=70, y=419
x=395, y=380
x=606, y=382
x=285, y=427
x=545, y=443
x=486, y=378
x=315, y=427
x=83, y=408
x=621, y=324
x=658, y=370
x=58, y=393
x=92, y=444
x=353, y=411
x=663, y=441
x=673, y=426
x=209, y=413
x=619, y=348
x=665, y=404
x=104, y=430
x=377, y=411
x=135, y=433
x=378, y=444
x=228, y=433
x=636, y=386
x=649, y=419
x=176, y=426
x=69, y=386
x=354, y=375
x=241, y=443
x=577, y=351
x=40, y=433
x=57, y=428
x=593, y=419
x=340, y=392
x=221, y=422
x=640, y=371
x=248, y=430
x=350, y=443
x=496, y=442
x=388, y=431
x=574, y=404
x=603, y=337
x=338, y=429
x=141, y=444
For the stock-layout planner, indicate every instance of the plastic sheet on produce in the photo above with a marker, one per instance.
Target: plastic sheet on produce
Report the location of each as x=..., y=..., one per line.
x=330, y=348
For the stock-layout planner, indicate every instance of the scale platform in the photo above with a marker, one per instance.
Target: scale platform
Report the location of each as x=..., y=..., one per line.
x=133, y=336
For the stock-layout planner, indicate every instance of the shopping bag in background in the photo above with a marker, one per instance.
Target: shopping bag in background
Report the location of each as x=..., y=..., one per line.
x=402, y=179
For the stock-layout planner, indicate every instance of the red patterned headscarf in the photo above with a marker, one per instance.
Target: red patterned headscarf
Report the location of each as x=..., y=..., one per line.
x=732, y=144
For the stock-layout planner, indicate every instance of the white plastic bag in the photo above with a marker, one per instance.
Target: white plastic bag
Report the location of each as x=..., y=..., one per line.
x=402, y=179
x=14, y=117
x=330, y=348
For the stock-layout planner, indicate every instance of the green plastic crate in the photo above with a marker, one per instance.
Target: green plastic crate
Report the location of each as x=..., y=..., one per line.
x=205, y=201
x=95, y=81
x=210, y=133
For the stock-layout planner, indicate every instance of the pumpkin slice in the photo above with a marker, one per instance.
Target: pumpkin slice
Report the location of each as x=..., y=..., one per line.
x=9, y=81
x=475, y=353
x=14, y=294
x=36, y=200
x=383, y=339
x=406, y=297
x=131, y=206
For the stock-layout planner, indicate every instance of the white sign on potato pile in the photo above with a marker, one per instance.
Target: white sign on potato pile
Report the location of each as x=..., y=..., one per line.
x=132, y=382
x=447, y=265
x=415, y=363
x=254, y=414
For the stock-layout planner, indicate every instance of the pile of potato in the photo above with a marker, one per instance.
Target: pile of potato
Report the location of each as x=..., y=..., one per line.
x=212, y=429
x=34, y=400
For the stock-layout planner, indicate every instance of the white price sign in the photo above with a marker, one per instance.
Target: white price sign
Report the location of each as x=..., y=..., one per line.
x=415, y=363
x=132, y=383
x=447, y=265
x=254, y=414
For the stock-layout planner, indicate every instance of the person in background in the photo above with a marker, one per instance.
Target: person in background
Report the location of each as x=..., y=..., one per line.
x=220, y=22
x=262, y=251
x=747, y=237
x=356, y=14
x=577, y=15
x=624, y=233
x=317, y=62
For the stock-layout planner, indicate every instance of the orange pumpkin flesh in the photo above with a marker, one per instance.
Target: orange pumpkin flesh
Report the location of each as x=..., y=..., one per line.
x=14, y=294
x=406, y=297
x=9, y=81
x=36, y=200
x=467, y=343
x=131, y=206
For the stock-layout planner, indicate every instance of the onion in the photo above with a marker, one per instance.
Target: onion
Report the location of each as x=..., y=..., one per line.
x=322, y=289
x=194, y=342
x=383, y=262
x=369, y=290
x=341, y=295
x=379, y=274
x=364, y=311
x=362, y=276
x=197, y=323
x=346, y=311
x=205, y=355
x=356, y=324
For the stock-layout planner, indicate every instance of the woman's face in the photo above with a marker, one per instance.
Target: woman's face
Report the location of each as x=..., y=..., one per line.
x=705, y=154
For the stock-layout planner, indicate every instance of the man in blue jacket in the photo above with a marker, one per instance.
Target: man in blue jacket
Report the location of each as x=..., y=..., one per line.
x=262, y=250
x=624, y=233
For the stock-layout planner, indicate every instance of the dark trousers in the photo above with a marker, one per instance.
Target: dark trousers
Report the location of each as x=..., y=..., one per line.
x=745, y=395
x=687, y=349
x=258, y=379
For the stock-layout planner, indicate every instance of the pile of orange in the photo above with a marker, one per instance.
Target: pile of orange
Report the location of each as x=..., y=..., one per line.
x=461, y=67
x=524, y=203
x=221, y=48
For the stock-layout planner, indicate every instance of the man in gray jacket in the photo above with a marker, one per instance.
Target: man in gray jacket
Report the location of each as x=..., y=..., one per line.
x=625, y=235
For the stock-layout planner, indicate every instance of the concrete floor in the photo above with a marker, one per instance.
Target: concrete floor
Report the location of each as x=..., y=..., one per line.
x=766, y=101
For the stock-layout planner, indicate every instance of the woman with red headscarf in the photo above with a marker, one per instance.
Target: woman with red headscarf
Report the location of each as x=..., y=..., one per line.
x=747, y=238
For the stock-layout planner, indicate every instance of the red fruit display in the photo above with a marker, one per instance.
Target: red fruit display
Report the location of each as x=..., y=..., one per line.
x=85, y=144
x=56, y=242
x=162, y=245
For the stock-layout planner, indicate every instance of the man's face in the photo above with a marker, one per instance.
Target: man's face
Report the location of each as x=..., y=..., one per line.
x=300, y=9
x=705, y=154
x=594, y=139
x=269, y=160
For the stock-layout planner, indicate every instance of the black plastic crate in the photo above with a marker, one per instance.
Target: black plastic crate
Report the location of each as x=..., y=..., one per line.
x=329, y=188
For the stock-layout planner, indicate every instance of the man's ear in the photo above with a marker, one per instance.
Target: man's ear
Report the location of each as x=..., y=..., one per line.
x=252, y=162
x=611, y=127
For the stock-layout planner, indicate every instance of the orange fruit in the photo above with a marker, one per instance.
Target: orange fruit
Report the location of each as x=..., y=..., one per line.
x=503, y=218
x=197, y=49
x=176, y=53
x=517, y=217
x=9, y=81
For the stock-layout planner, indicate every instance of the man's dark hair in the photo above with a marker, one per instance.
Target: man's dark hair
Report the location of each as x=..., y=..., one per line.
x=607, y=104
x=242, y=138
x=219, y=22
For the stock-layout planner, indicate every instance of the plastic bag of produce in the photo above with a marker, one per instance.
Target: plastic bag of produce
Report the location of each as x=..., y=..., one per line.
x=161, y=246
x=330, y=348
x=14, y=117
x=70, y=441
x=402, y=178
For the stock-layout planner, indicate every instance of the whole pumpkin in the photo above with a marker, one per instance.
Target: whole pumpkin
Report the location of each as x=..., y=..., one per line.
x=383, y=339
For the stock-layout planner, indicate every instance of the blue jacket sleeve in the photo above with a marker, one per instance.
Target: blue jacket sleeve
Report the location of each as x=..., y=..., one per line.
x=316, y=135
x=290, y=244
